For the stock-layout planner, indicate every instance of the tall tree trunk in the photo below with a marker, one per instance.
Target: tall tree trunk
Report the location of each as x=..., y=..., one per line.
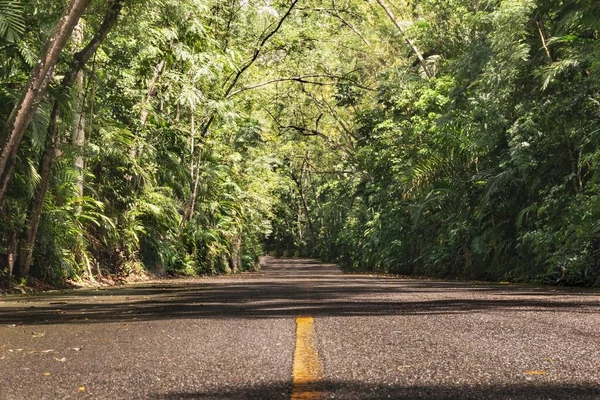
x=34, y=91
x=192, y=144
x=34, y=213
x=408, y=40
x=78, y=140
x=78, y=130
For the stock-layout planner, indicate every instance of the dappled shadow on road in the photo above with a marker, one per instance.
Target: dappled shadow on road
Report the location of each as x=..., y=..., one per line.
x=288, y=288
x=332, y=389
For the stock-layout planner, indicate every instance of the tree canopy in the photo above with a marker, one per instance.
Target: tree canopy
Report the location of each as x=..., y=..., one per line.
x=454, y=138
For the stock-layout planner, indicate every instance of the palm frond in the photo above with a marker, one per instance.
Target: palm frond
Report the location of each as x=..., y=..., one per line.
x=12, y=23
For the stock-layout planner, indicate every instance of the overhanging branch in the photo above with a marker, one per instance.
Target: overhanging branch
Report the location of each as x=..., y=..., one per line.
x=300, y=79
x=259, y=48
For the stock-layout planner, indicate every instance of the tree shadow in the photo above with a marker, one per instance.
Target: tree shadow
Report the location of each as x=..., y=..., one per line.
x=288, y=288
x=335, y=389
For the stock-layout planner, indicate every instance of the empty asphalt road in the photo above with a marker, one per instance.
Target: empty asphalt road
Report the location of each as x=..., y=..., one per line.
x=300, y=329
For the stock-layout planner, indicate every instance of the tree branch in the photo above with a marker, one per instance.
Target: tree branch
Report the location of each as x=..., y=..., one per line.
x=205, y=127
x=408, y=40
x=259, y=49
x=348, y=24
x=300, y=79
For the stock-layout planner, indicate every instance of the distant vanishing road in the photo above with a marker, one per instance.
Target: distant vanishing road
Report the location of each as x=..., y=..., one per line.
x=300, y=329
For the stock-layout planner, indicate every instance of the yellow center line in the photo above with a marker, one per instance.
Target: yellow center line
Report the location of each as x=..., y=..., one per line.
x=307, y=367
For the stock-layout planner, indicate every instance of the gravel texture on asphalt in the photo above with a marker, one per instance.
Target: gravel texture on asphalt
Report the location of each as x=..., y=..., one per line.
x=233, y=337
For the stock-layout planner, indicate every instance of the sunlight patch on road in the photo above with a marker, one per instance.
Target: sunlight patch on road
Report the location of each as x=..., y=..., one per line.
x=307, y=366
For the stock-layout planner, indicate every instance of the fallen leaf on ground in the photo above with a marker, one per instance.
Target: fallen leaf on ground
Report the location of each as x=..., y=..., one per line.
x=61, y=359
x=535, y=372
x=46, y=374
x=38, y=334
x=81, y=389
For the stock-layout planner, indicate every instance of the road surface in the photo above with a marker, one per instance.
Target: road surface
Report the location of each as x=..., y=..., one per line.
x=300, y=329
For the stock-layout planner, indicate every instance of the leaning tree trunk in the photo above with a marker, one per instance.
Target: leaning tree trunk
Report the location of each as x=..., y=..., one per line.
x=152, y=91
x=40, y=76
x=35, y=207
x=34, y=213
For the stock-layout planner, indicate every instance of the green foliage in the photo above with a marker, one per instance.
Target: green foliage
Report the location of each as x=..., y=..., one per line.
x=485, y=171
x=209, y=142
x=12, y=24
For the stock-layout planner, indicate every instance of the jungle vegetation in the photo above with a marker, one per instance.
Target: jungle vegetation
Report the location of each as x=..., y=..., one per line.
x=448, y=138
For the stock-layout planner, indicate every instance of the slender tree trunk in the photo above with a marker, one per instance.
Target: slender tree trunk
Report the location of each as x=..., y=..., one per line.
x=159, y=69
x=192, y=144
x=40, y=76
x=152, y=90
x=34, y=213
x=11, y=256
x=338, y=15
x=195, y=173
x=544, y=38
x=299, y=222
x=230, y=17
x=78, y=141
x=408, y=40
x=236, y=254
x=78, y=130
x=299, y=185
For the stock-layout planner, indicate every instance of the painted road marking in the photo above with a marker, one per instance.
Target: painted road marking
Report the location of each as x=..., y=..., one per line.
x=307, y=366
